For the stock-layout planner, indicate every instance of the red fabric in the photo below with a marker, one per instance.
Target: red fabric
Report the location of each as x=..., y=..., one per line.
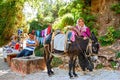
x=17, y=46
x=49, y=30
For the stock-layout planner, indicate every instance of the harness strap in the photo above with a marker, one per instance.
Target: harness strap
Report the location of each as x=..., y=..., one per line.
x=89, y=47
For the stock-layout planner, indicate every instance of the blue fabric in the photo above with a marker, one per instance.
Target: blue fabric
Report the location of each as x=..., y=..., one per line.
x=31, y=48
x=69, y=35
x=25, y=52
x=38, y=33
x=41, y=40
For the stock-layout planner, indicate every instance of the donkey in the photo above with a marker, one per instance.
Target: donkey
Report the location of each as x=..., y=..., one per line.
x=76, y=50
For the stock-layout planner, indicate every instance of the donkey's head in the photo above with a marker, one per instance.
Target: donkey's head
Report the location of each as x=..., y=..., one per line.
x=95, y=44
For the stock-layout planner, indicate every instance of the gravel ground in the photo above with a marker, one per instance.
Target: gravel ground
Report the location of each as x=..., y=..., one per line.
x=60, y=74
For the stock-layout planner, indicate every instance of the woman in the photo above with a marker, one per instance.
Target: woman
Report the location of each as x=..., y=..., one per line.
x=13, y=42
x=84, y=31
x=81, y=29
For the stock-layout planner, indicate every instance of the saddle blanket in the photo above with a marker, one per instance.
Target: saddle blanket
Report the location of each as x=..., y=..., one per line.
x=59, y=42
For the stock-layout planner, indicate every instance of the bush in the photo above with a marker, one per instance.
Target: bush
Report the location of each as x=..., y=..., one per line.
x=89, y=20
x=60, y=23
x=56, y=62
x=3, y=41
x=94, y=30
x=39, y=52
x=116, y=34
x=57, y=24
x=68, y=19
x=113, y=64
x=107, y=39
x=118, y=55
x=99, y=66
x=116, y=8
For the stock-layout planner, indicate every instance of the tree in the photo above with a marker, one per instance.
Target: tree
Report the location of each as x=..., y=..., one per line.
x=11, y=18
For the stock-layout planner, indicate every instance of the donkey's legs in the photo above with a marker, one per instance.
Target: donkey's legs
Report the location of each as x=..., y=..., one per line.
x=82, y=63
x=74, y=63
x=70, y=67
x=48, y=59
x=45, y=56
x=50, y=72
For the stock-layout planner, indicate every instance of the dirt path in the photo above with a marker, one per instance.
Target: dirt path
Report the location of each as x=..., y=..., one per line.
x=60, y=74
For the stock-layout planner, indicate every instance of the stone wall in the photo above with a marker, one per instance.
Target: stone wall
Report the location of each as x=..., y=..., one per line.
x=27, y=65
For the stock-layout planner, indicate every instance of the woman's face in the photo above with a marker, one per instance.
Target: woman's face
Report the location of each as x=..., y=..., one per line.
x=81, y=22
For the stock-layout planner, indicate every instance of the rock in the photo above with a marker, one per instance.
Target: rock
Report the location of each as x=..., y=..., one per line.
x=9, y=58
x=27, y=65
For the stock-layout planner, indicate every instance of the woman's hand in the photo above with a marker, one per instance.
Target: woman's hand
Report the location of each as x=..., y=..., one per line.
x=85, y=38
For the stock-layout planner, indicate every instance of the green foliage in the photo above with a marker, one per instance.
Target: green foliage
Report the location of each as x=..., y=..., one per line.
x=57, y=24
x=116, y=8
x=99, y=66
x=48, y=19
x=11, y=18
x=62, y=11
x=56, y=62
x=116, y=34
x=3, y=42
x=79, y=8
x=67, y=19
x=49, y=9
x=118, y=55
x=113, y=64
x=74, y=7
x=89, y=20
x=108, y=38
x=35, y=25
x=95, y=31
x=39, y=51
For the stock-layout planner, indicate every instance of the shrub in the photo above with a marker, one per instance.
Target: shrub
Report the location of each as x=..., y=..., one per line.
x=99, y=66
x=113, y=64
x=67, y=19
x=56, y=62
x=94, y=30
x=107, y=39
x=118, y=55
x=116, y=34
x=116, y=8
x=89, y=20
x=39, y=52
x=60, y=23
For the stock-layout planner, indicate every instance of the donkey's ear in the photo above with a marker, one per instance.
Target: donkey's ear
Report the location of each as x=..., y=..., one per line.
x=92, y=35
